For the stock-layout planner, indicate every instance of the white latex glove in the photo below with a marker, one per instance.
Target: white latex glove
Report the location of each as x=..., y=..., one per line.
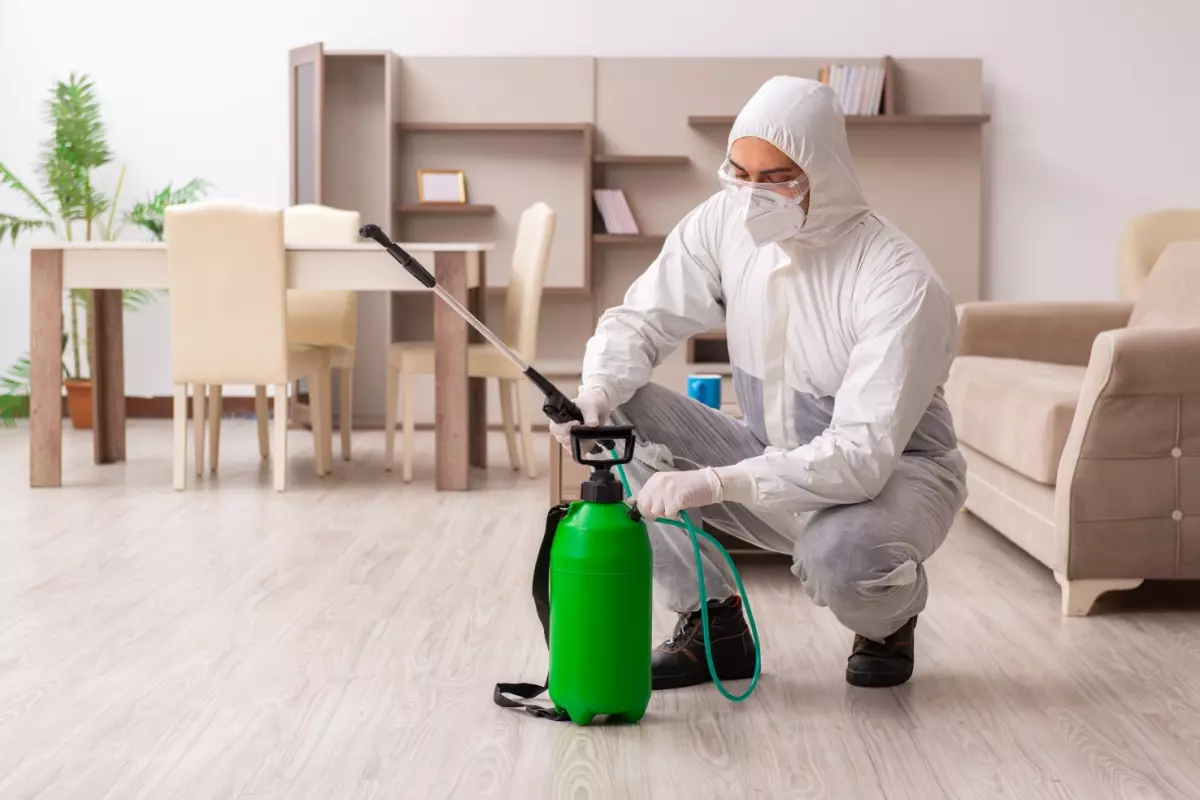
x=667, y=493
x=593, y=402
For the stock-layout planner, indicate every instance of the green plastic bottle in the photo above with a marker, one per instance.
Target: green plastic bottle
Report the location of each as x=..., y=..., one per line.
x=600, y=605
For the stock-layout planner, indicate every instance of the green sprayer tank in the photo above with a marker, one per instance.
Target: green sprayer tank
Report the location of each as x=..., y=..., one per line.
x=600, y=601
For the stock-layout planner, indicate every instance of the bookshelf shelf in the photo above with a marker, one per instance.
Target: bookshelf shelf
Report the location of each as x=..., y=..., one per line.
x=493, y=127
x=629, y=239
x=719, y=120
x=649, y=161
x=723, y=369
x=451, y=209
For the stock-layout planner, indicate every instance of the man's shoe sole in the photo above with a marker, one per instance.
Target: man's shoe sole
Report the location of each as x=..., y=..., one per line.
x=696, y=679
x=875, y=680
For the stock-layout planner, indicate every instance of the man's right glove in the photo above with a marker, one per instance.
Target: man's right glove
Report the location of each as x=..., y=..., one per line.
x=594, y=403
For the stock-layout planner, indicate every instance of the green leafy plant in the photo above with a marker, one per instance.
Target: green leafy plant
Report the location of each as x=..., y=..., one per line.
x=148, y=214
x=67, y=163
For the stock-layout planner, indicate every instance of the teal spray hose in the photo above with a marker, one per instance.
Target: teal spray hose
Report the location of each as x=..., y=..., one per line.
x=694, y=532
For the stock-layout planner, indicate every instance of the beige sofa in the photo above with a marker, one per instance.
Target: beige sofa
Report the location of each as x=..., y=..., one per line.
x=1081, y=426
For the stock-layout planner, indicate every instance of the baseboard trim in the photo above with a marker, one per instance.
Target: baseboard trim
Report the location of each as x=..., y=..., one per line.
x=162, y=407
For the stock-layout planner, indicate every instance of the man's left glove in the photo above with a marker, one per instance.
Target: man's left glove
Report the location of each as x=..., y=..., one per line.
x=667, y=493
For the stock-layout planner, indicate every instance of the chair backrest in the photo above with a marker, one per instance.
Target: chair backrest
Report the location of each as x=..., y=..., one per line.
x=1170, y=297
x=314, y=224
x=1143, y=241
x=531, y=254
x=228, y=287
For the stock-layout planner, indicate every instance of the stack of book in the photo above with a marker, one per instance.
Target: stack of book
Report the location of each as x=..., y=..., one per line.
x=615, y=214
x=859, y=88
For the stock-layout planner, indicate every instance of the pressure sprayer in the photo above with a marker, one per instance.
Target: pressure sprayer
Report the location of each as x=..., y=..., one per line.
x=593, y=577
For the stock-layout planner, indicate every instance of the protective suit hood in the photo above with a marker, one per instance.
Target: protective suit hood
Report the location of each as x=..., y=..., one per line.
x=803, y=119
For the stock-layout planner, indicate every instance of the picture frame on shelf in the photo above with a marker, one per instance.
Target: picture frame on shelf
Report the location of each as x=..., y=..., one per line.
x=441, y=186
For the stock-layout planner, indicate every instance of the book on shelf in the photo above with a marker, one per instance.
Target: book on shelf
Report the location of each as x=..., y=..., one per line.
x=615, y=215
x=859, y=88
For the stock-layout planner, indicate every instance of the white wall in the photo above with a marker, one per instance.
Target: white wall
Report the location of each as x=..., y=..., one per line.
x=1094, y=116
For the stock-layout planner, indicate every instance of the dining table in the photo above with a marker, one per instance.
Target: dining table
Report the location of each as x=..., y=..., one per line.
x=108, y=268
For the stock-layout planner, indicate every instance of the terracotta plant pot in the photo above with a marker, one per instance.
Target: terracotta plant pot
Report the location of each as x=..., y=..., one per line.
x=79, y=403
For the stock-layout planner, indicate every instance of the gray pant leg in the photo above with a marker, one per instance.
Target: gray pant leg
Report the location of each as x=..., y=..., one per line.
x=675, y=432
x=864, y=561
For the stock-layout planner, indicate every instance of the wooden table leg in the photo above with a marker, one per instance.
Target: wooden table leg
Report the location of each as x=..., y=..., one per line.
x=477, y=399
x=45, y=367
x=450, y=375
x=107, y=333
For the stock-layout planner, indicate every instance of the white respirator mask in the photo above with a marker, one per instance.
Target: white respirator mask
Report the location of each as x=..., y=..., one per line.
x=773, y=211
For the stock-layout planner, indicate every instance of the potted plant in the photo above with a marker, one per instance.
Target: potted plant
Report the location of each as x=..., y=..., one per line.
x=73, y=206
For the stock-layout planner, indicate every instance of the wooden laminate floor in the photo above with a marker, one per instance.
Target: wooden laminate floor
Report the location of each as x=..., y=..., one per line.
x=342, y=641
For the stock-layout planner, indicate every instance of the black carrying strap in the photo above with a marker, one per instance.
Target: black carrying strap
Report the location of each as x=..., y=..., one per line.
x=541, y=602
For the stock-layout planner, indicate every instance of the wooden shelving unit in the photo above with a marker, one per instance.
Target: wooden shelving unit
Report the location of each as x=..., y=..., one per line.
x=555, y=128
x=634, y=161
x=450, y=209
x=629, y=239
x=725, y=120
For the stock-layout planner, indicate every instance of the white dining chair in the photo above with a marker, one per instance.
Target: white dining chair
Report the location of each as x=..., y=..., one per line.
x=531, y=254
x=326, y=318
x=316, y=318
x=228, y=303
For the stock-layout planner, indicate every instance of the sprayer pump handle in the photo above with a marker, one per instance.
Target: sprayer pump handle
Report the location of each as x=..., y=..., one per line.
x=607, y=445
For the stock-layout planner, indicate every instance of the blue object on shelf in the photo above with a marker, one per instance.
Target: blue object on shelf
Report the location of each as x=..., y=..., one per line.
x=705, y=389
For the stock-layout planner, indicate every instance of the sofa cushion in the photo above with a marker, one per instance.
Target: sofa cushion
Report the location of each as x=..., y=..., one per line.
x=1015, y=412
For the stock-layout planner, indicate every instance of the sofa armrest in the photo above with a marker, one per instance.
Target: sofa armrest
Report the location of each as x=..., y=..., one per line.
x=1124, y=479
x=1144, y=361
x=1053, y=332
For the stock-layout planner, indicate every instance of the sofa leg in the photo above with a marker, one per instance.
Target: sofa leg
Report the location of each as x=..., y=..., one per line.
x=1078, y=596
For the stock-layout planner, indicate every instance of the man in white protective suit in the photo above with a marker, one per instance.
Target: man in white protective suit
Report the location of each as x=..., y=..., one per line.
x=840, y=337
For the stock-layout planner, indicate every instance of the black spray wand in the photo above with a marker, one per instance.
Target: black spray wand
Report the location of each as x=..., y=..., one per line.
x=557, y=406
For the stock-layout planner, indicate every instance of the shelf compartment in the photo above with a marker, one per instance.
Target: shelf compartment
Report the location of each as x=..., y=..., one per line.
x=629, y=239
x=493, y=127
x=649, y=161
x=461, y=209
x=715, y=120
x=708, y=348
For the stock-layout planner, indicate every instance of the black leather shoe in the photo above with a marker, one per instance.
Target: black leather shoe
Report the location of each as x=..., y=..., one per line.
x=680, y=660
x=889, y=663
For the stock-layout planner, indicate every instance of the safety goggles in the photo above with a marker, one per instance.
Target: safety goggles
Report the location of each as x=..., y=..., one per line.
x=794, y=189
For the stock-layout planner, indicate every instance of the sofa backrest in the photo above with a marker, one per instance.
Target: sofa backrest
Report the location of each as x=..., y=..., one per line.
x=1170, y=297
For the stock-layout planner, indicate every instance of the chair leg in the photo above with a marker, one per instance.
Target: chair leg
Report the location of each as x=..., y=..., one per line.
x=409, y=421
x=389, y=423
x=327, y=422
x=199, y=416
x=346, y=413
x=506, y=421
x=214, y=426
x=179, y=420
x=526, y=433
x=317, y=397
x=261, y=413
x=281, y=432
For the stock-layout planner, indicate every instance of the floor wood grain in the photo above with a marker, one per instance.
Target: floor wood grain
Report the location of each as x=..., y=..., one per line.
x=341, y=641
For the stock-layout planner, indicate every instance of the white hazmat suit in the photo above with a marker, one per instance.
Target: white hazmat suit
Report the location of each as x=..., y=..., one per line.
x=840, y=337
